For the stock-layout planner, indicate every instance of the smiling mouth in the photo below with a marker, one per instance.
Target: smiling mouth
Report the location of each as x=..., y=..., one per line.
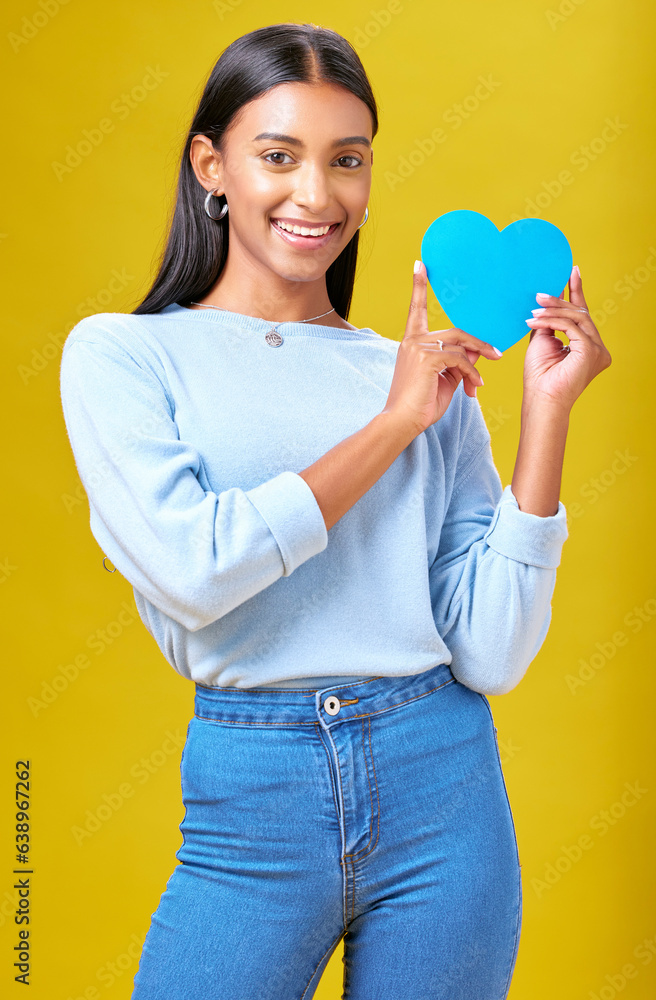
x=307, y=240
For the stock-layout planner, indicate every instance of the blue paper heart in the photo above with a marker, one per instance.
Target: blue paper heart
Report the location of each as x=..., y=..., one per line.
x=486, y=280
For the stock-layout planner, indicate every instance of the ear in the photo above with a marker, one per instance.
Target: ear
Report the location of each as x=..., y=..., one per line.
x=207, y=164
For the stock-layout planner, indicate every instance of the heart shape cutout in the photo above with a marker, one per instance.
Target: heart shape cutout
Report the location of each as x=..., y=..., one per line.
x=486, y=280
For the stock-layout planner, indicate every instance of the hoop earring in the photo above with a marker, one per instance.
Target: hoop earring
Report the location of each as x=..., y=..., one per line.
x=207, y=206
x=366, y=216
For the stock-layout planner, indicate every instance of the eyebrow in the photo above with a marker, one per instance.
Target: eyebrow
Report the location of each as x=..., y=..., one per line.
x=281, y=137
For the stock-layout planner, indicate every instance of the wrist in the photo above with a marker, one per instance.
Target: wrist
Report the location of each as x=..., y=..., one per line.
x=396, y=427
x=546, y=407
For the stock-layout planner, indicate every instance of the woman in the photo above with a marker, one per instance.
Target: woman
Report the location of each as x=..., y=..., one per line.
x=342, y=624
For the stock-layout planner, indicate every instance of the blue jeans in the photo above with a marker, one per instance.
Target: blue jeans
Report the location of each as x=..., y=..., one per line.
x=375, y=811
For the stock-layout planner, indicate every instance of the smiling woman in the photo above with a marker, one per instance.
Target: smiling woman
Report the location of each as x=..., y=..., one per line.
x=291, y=144
x=342, y=624
x=294, y=207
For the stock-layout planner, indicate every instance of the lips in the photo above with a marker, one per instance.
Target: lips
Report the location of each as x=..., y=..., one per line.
x=305, y=242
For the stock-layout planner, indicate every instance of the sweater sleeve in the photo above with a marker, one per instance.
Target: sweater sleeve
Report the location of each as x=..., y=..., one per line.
x=192, y=553
x=493, y=577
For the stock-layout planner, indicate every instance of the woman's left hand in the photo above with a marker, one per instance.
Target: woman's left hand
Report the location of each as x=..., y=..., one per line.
x=552, y=370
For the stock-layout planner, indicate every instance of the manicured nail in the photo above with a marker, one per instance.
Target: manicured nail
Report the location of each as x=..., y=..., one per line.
x=417, y=266
x=576, y=268
x=538, y=312
x=498, y=352
x=543, y=295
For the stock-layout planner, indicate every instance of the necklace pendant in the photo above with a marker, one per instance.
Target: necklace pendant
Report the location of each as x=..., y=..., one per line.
x=273, y=338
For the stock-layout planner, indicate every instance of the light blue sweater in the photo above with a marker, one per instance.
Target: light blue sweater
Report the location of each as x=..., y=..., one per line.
x=189, y=429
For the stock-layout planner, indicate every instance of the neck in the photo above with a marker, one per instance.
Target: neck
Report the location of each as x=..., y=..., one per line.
x=206, y=304
x=246, y=289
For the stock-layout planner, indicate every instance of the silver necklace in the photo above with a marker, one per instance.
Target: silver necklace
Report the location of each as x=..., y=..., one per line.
x=273, y=338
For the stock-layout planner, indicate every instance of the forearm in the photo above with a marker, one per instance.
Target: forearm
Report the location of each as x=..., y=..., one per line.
x=344, y=474
x=538, y=468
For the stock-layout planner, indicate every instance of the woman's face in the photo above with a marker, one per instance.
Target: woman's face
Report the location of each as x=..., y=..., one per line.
x=313, y=170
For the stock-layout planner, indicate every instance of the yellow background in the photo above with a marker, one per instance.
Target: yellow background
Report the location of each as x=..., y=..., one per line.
x=94, y=233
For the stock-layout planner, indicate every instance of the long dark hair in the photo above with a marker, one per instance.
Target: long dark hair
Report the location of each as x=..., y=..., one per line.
x=197, y=247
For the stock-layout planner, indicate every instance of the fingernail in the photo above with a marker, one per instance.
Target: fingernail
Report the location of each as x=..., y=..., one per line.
x=417, y=266
x=543, y=295
x=576, y=268
x=538, y=312
x=497, y=352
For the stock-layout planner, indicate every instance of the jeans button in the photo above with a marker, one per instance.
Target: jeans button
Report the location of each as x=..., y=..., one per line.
x=332, y=704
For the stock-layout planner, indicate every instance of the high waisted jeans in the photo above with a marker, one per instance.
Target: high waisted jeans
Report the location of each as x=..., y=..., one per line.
x=375, y=812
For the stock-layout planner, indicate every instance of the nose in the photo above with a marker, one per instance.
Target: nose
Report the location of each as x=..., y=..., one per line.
x=312, y=190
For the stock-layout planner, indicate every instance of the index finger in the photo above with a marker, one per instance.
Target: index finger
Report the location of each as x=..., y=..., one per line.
x=418, y=309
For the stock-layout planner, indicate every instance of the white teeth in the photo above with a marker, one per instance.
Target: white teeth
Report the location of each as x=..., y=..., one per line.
x=302, y=230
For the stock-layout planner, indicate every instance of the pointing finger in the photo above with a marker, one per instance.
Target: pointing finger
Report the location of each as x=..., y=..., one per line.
x=418, y=310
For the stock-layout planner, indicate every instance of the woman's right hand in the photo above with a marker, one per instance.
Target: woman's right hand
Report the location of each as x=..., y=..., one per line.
x=425, y=375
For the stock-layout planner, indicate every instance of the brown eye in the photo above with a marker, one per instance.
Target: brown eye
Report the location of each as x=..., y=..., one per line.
x=278, y=153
